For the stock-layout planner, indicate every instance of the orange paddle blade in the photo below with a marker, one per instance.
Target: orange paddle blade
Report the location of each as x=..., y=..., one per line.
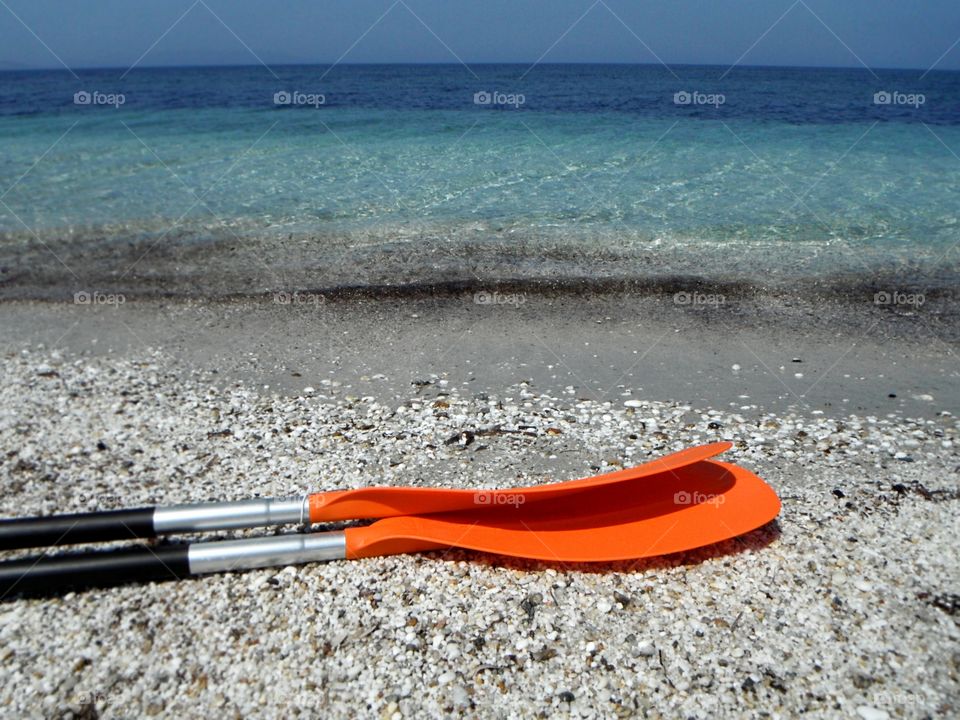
x=378, y=502
x=686, y=508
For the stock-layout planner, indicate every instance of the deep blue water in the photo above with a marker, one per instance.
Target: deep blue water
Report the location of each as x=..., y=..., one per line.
x=794, y=95
x=754, y=165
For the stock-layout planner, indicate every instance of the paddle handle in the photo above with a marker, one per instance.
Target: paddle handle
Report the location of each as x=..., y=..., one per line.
x=56, y=574
x=149, y=522
x=56, y=530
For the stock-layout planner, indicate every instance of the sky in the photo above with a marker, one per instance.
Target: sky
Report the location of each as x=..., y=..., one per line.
x=837, y=33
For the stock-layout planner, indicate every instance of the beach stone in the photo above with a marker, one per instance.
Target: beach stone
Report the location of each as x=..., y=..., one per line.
x=646, y=649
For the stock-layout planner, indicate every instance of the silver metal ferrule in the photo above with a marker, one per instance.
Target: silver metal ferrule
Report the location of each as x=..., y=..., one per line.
x=293, y=549
x=199, y=517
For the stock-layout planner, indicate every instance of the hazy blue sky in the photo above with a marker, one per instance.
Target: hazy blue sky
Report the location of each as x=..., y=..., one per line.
x=117, y=33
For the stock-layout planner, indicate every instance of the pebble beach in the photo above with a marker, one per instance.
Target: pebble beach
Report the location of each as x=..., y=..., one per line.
x=845, y=606
x=252, y=252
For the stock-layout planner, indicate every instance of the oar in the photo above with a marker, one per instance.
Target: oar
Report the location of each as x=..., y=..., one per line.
x=370, y=502
x=693, y=506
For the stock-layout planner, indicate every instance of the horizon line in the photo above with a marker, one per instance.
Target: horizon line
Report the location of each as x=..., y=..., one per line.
x=331, y=64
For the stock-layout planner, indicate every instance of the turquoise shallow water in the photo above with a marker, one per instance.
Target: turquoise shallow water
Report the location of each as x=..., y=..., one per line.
x=761, y=166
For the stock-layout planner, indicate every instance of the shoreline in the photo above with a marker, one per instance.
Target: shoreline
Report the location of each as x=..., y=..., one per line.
x=391, y=263
x=851, y=289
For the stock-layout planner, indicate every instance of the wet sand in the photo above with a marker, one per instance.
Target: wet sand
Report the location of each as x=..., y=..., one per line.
x=691, y=343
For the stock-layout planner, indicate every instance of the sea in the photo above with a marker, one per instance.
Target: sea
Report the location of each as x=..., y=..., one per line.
x=251, y=179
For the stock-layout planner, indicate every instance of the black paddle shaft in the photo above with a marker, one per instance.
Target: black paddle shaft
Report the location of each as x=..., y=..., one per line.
x=78, y=528
x=56, y=574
